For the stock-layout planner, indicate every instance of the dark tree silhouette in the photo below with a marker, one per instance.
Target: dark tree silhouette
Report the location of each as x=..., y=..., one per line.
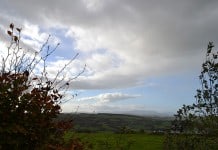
x=199, y=121
x=30, y=100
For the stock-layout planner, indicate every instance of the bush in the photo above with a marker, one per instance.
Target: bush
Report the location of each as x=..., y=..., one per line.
x=196, y=126
x=30, y=101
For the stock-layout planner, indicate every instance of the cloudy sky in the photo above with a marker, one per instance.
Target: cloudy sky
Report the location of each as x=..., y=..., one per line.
x=141, y=55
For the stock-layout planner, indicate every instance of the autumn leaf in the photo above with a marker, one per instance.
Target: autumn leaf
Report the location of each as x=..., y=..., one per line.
x=10, y=33
x=15, y=38
x=18, y=29
x=11, y=25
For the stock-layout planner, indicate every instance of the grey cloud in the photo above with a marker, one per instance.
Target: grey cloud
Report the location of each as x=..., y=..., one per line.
x=153, y=37
x=178, y=25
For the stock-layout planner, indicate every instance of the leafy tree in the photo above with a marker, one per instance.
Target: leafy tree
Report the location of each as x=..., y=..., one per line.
x=30, y=99
x=196, y=125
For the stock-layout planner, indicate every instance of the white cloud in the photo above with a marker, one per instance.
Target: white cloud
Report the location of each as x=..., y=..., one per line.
x=86, y=40
x=109, y=97
x=66, y=70
x=105, y=102
x=34, y=38
x=114, y=108
x=140, y=38
x=3, y=48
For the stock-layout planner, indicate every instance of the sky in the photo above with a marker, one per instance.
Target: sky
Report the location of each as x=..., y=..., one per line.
x=141, y=56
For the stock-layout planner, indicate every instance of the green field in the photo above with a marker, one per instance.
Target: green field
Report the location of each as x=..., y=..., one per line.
x=112, y=141
x=117, y=131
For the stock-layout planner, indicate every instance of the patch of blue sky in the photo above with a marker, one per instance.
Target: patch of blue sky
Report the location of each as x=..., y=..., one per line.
x=66, y=49
x=168, y=93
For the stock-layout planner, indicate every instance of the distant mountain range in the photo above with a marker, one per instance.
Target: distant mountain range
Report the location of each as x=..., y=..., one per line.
x=147, y=113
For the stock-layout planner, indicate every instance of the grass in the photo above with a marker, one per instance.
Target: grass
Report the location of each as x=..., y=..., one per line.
x=112, y=141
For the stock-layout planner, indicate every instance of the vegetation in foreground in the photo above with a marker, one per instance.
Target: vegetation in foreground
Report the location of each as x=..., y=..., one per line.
x=124, y=141
x=30, y=98
x=196, y=126
x=118, y=131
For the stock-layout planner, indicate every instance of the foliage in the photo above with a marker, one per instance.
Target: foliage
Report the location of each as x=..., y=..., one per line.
x=199, y=120
x=29, y=99
x=112, y=141
x=190, y=142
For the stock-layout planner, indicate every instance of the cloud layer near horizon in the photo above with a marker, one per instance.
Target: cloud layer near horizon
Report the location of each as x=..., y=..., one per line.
x=109, y=97
x=125, y=41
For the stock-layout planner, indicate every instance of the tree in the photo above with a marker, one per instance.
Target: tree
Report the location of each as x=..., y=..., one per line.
x=197, y=124
x=29, y=99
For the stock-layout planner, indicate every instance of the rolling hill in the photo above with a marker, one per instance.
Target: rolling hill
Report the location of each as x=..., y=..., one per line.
x=104, y=122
